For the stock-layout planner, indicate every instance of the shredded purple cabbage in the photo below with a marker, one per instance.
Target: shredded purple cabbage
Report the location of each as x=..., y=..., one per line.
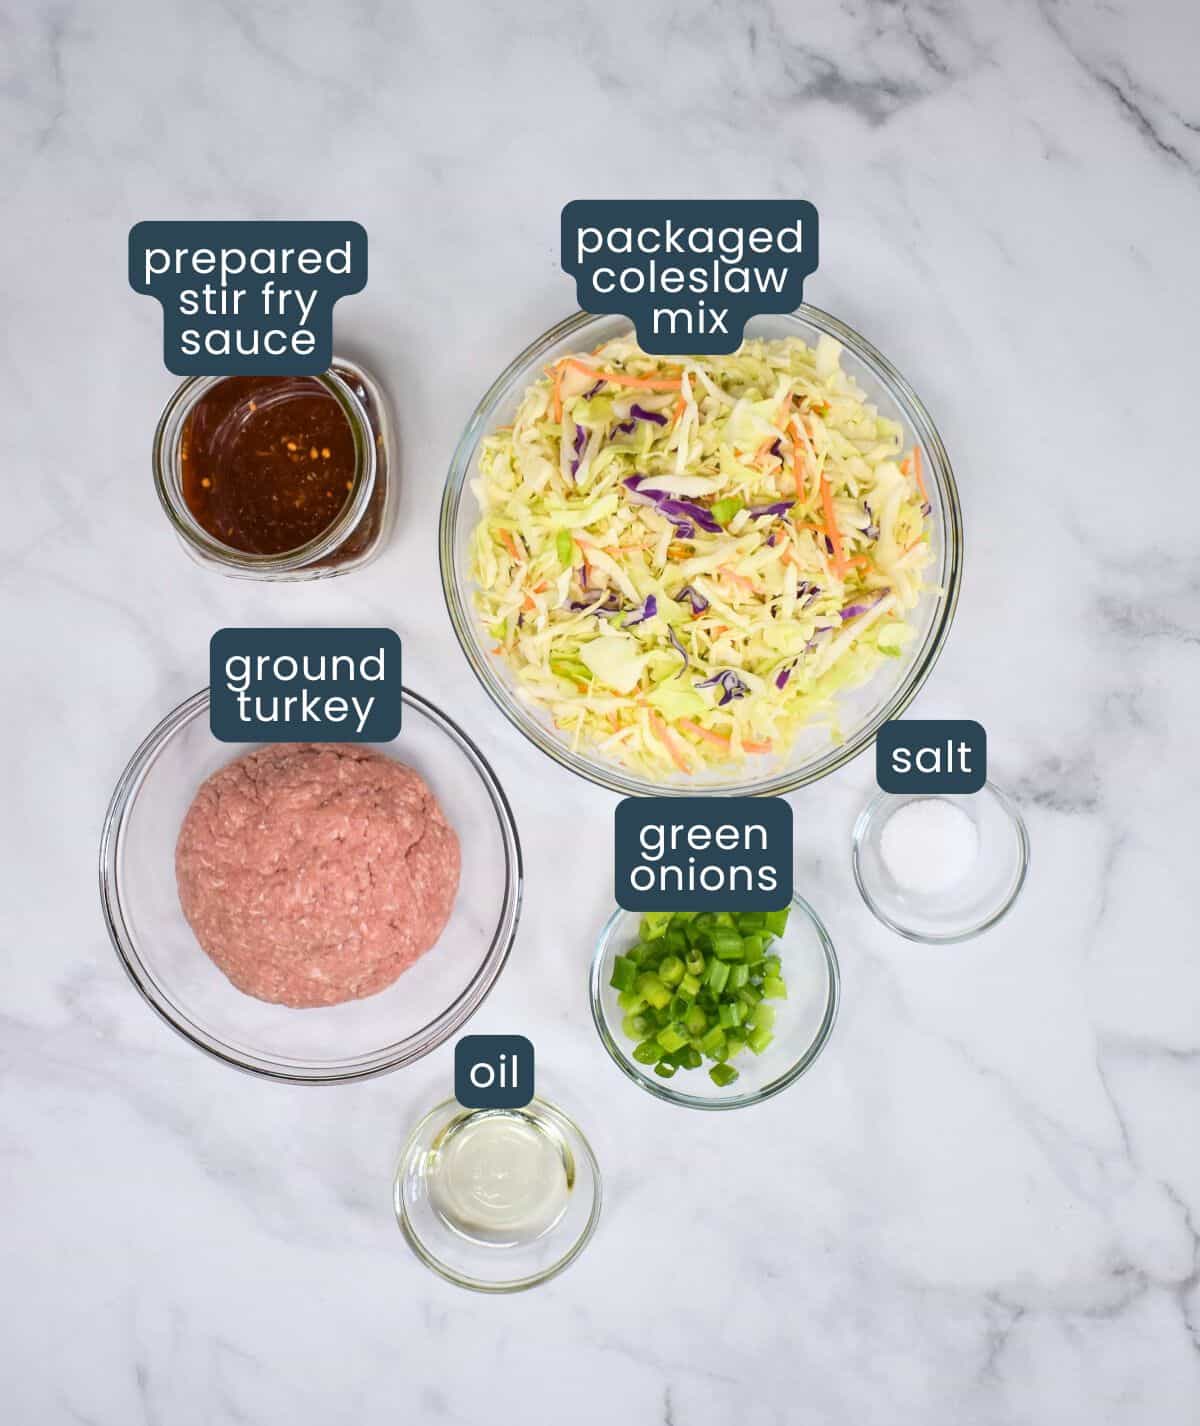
x=784, y=674
x=731, y=686
x=580, y=442
x=641, y=414
x=771, y=539
x=677, y=645
x=683, y=514
x=626, y=427
x=927, y=509
x=852, y=611
x=872, y=530
x=648, y=610
x=780, y=507
x=694, y=597
x=606, y=609
x=587, y=395
x=777, y=450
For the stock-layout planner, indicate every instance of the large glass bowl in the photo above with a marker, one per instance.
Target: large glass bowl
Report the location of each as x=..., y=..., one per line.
x=861, y=710
x=424, y=1007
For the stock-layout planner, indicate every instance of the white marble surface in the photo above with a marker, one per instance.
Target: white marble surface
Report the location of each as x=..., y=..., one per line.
x=983, y=1205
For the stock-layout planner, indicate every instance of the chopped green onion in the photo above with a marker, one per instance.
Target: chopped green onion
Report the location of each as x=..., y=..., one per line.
x=713, y=1041
x=672, y=1038
x=671, y=970
x=654, y=990
x=718, y=974
x=694, y=988
x=727, y=945
x=624, y=973
x=759, y=1039
x=730, y=1015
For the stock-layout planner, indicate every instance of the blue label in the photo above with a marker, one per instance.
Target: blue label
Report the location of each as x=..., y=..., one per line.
x=305, y=685
x=689, y=273
x=247, y=298
x=493, y=1071
x=931, y=755
x=703, y=854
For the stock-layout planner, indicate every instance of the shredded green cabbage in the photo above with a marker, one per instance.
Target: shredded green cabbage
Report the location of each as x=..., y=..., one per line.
x=654, y=557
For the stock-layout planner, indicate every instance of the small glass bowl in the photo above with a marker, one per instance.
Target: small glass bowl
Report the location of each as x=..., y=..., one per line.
x=860, y=710
x=470, y=1262
x=803, y=1025
x=325, y=1045
x=968, y=907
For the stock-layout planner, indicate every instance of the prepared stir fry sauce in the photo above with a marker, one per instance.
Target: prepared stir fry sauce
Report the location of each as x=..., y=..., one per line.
x=267, y=462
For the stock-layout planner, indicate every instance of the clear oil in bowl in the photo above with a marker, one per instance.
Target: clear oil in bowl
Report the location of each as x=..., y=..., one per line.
x=500, y=1177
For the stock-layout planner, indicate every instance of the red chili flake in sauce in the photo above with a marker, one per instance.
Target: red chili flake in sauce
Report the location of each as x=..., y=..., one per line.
x=268, y=462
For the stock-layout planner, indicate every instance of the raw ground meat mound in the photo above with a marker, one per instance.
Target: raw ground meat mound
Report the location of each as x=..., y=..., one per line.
x=314, y=873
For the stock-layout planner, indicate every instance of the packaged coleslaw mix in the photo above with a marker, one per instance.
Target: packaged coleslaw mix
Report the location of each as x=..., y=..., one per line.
x=684, y=559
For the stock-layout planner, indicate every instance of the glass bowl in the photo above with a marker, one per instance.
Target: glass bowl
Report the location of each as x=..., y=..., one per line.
x=965, y=908
x=424, y=1007
x=802, y=1027
x=861, y=710
x=490, y=1266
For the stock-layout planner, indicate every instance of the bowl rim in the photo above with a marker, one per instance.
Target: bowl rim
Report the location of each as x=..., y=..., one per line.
x=661, y=1089
x=867, y=816
x=474, y=1284
x=612, y=776
x=364, y=1066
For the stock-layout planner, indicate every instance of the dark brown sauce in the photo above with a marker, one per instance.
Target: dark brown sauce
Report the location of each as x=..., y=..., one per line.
x=268, y=462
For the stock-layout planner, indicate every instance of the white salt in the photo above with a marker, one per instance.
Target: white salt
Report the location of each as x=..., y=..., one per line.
x=928, y=845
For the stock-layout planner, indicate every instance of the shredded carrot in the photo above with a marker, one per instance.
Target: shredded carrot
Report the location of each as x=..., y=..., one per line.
x=763, y=449
x=859, y=562
x=919, y=474
x=541, y=587
x=663, y=734
x=797, y=459
x=497, y=650
x=832, y=533
x=910, y=547
x=744, y=581
x=510, y=544
x=529, y=604
x=680, y=408
x=718, y=740
x=618, y=378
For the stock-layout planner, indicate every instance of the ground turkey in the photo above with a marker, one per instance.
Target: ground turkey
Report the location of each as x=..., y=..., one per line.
x=314, y=873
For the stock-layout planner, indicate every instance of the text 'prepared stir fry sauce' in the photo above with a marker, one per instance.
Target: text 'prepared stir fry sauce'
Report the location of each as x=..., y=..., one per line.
x=684, y=559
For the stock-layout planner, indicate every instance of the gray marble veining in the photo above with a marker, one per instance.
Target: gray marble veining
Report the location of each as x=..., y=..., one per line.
x=982, y=1208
